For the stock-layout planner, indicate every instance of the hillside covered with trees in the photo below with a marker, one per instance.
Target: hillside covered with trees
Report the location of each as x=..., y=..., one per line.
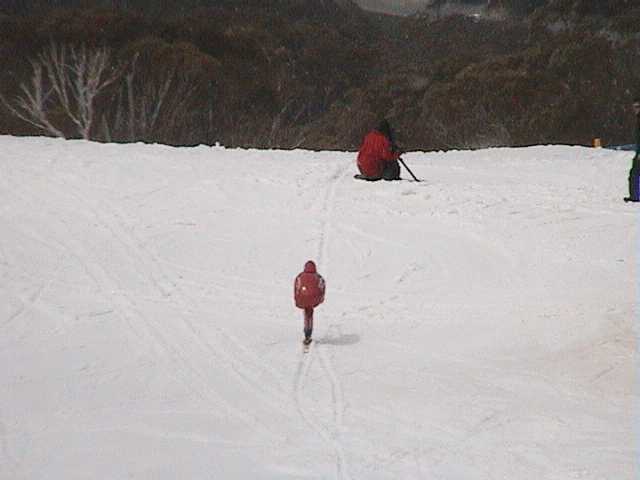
x=319, y=73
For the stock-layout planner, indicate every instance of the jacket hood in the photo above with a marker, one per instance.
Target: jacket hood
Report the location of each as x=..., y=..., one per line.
x=310, y=267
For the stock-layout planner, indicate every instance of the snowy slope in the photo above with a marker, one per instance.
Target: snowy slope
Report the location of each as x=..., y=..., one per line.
x=478, y=325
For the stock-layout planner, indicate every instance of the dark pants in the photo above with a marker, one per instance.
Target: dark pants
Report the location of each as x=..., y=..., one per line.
x=634, y=188
x=391, y=171
x=308, y=322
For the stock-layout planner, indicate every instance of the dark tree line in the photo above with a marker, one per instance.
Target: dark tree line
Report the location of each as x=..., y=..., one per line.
x=317, y=74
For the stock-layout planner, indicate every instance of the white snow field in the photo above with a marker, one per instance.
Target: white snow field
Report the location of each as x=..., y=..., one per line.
x=477, y=325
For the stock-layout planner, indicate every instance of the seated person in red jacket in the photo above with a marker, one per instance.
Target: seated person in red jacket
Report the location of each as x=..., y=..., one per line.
x=308, y=293
x=377, y=158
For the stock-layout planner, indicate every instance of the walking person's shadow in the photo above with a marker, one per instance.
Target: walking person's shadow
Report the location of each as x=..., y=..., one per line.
x=334, y=336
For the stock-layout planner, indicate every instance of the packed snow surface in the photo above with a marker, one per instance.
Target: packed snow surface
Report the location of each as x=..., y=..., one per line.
x=477, y=325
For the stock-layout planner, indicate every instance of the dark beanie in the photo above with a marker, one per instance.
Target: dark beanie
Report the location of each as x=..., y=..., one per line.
x=384, y=128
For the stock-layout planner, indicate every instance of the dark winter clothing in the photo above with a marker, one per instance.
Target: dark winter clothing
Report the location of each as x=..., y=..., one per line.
x=376, y=158
x=385, y=129
x=634, y=181
x=634, y=173
x=391, y=171
x=308, y=322
x=308, y=293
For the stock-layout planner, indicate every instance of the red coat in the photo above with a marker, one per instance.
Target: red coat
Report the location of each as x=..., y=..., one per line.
x=374, y=153
x=308, y=288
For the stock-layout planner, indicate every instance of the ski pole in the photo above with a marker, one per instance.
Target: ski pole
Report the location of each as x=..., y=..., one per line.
x=408, y=170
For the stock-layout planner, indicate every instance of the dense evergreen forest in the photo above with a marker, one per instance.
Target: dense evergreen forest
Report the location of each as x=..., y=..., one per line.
x=319, y=73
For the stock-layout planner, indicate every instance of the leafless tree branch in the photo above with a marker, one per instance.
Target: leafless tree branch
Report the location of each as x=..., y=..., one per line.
x=68, y=79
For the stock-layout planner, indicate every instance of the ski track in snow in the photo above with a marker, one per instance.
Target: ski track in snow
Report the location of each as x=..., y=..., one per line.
x=219, y=354
x=241, y=362
x=502, y=357
x=195, y=377
x=32, y=299
x=331, y=435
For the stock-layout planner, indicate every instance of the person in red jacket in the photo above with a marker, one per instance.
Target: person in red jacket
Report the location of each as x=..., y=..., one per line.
x=308, y=292
x=377, y=157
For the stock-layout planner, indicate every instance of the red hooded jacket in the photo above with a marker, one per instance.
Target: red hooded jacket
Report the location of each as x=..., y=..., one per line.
x=308, y=288
x=374, y=153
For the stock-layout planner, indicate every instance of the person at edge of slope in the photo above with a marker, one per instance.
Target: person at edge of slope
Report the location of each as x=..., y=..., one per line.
x=634, y=173
x=378, y=155
x=308, y=293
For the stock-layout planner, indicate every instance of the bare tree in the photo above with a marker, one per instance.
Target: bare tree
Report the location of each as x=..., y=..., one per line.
x=30, y=106
x=66, y=79
x=153, y=106
x=293, y=102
